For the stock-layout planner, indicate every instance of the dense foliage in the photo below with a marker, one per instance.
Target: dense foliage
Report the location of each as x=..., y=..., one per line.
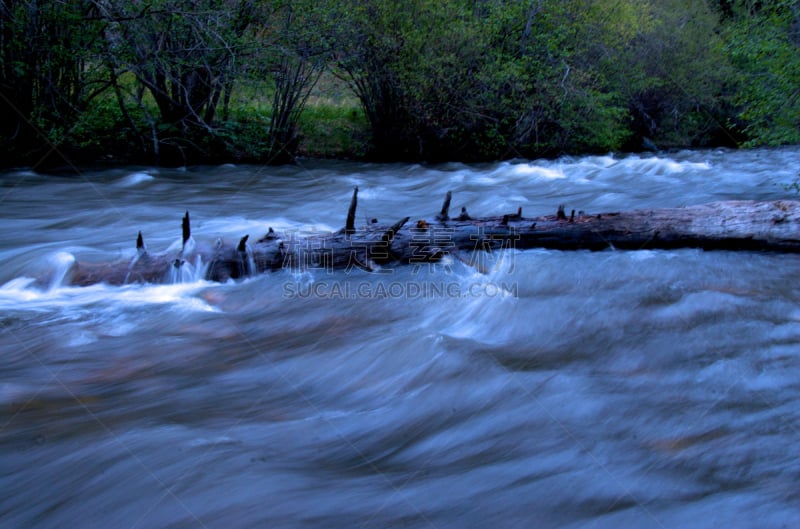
x=173, y=81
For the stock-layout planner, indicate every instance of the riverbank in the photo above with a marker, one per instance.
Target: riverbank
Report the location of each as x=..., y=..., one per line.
x=332, y=126
x=328, y=130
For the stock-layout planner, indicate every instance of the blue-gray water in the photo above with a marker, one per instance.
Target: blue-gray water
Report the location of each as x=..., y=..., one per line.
x=560, y=389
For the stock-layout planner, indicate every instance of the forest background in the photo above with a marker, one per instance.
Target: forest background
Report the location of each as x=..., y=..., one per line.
x=172, y=82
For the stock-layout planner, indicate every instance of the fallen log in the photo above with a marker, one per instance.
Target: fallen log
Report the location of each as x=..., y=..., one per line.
x=731, y=225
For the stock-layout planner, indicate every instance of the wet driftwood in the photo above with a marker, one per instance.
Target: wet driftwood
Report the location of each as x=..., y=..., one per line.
x=731, y=225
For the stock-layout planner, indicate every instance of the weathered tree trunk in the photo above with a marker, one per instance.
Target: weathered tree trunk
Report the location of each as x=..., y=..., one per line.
x=733, y=225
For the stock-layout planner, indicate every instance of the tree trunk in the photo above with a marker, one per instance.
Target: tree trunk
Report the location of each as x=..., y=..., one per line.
x=733, y=225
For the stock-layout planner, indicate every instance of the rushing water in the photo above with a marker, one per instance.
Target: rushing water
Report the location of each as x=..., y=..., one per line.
x=550, y=389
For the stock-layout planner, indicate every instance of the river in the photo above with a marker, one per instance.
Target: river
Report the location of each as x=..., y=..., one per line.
x=612, y=389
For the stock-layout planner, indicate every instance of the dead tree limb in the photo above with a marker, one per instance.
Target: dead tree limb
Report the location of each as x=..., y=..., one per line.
x=732, y=225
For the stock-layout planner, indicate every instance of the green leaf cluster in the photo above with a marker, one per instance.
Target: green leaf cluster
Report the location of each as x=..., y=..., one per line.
x=763, y=42
x=174, y=81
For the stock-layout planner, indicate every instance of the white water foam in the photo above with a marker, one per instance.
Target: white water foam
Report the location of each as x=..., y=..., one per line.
x=486, y=286
x=21, y=294
x=658, y=166
x=538, y=171
x=134, y=179
x=62, y=263
x=187, y=272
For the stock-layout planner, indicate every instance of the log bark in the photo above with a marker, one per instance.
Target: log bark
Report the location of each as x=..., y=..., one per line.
x=731, y=225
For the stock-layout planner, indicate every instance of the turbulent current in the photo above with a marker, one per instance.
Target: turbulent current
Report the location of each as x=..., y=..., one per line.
x=524, y=389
